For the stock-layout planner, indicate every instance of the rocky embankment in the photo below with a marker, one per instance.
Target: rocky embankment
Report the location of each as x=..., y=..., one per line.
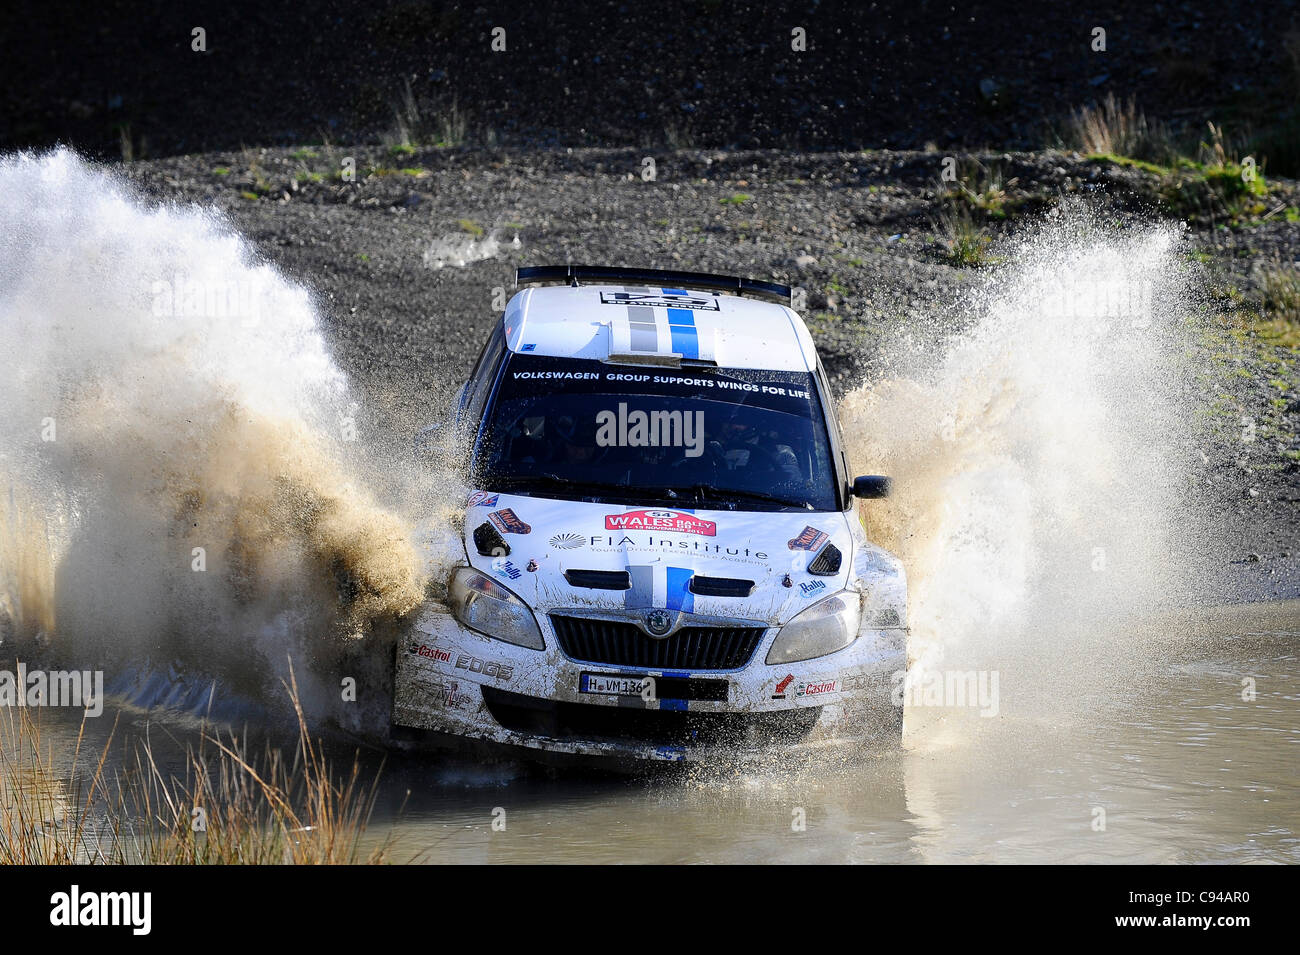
x=406, y=250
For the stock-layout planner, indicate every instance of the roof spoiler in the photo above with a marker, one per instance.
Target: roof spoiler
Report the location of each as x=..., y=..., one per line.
x=617, y=275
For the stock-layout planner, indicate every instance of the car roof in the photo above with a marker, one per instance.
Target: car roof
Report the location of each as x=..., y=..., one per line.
x=658, y=326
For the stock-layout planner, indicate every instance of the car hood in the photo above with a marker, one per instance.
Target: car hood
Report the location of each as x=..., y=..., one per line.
x=555, y=545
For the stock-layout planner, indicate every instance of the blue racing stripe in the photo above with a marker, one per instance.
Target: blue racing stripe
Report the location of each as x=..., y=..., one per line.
x=679, y=597
x=681, y=325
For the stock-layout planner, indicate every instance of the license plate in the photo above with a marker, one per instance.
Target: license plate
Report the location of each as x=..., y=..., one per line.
x=608, y=684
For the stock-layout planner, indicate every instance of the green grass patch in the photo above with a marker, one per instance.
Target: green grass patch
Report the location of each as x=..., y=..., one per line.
x=1130, y=163
x=1279, y=324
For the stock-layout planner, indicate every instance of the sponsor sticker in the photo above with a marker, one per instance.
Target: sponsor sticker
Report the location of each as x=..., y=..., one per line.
x=814, y=688
x=506, y=569
x=648, y=520
x=483, y=499
x=810, y=538
x=602, y=543
x=450, y=695
x=567, y=541
x=810, y=587
x=656, y=300
x=507, y=522
x=447, y=693
x=439, y=654
x=473, y=664
x=804, y=689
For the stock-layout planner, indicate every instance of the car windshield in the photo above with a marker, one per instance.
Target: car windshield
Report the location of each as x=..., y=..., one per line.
x=722, y=438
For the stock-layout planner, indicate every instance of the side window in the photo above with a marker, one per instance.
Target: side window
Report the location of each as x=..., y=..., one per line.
x=839, y=456
x=482, y=380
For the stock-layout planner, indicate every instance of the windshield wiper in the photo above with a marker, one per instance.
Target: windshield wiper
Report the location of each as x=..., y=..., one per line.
x=706, y=491
x=527, y=482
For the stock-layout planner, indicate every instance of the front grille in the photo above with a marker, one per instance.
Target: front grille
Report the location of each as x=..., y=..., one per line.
x=621, y=643
x=624, y=724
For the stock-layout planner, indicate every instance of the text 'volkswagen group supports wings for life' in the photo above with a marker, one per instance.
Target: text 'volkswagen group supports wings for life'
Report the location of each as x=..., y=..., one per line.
x=717, y=438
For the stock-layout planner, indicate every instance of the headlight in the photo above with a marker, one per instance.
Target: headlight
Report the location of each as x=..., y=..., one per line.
x=482, y=604
x=826, y=626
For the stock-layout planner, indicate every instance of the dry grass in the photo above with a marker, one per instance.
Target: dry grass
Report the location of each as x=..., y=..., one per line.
x=1115, y=128
x=225, y=807
x=414, y=126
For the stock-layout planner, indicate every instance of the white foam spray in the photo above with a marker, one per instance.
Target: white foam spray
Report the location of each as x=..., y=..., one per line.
x=1043, y=461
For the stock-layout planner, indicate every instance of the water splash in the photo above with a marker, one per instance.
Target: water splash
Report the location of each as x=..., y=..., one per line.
x=182, y=488
x=1040, y=442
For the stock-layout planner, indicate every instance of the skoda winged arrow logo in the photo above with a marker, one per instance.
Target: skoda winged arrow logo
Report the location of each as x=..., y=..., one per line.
x=658, y=623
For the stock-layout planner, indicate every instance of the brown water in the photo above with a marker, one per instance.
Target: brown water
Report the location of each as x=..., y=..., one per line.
x=1185, y=769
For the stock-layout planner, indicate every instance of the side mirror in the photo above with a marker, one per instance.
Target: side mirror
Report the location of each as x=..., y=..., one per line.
x=872, y=485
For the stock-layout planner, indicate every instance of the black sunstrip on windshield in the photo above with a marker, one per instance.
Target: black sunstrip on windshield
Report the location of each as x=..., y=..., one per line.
x=724, y=438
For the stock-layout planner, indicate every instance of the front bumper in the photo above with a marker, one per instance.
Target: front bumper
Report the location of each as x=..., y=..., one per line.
x=451, y=680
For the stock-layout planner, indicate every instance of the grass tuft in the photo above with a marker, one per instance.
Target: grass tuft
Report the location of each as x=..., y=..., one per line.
x=1280, y=323
x=1116, y=128
x=227, y=807
x=966, y=241
x=414, y=126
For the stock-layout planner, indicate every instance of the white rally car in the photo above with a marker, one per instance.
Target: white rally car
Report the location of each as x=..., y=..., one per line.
x=663, y=557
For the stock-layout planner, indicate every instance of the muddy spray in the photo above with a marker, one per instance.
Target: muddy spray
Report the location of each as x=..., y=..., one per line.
x=184, y=488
